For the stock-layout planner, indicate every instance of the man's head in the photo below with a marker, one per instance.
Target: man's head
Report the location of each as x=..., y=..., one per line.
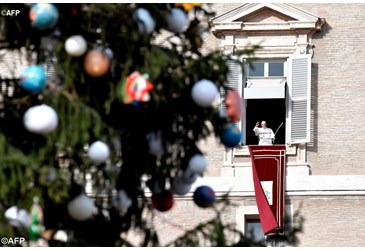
x=263, y=124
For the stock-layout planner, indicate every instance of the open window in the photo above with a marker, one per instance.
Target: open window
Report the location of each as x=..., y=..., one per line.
x=277, y=91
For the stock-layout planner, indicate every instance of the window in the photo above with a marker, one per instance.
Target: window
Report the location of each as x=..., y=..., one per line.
x=278, y=92
x=253, y=230
x=266, y=69
x=256, y=69
x=270, y=110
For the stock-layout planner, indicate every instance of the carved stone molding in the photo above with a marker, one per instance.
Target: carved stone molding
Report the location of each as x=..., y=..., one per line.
x=280, y=29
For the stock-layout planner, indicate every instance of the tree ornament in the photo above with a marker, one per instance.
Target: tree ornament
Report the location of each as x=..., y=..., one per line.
x=176, y=20
x=233, y=105
x=198, y=164
x=189, y=176
x=98, y=152
x=12, y=215
x=163, y=201
x=51, y=174
x=36, y=226
x=204, y=196
x=146, y=24
x=179, y=186
x=231, y=136
x=106, y=51
x=76, y=45
x=204, y=93
x=96, y=63
x=33, y=78
x=81, y=208
x=43, y=15
x=24, y=218
x=122, y=201
x=18, y=217
x=40, y=119
x=136, y=88
x=155, y=144
x=188, y=6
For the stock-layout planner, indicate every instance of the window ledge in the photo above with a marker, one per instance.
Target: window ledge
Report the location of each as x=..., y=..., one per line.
x=243, y=150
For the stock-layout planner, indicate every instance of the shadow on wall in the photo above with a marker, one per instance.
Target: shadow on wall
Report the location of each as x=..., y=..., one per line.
x=325, y=29
x=312, y=146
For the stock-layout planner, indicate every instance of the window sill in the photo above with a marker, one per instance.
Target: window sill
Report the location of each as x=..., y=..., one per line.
x=243, y=150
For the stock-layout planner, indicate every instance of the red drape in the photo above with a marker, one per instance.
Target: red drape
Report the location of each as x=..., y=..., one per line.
x=268, y=168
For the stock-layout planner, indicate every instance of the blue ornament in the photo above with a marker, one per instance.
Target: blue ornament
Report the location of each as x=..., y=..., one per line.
x=107, y=51
x=231, y=136
x=204, y=196
x=33, y=78
x=44, y=15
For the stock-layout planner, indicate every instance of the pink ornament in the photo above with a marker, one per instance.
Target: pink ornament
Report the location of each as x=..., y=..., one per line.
x=233, y=105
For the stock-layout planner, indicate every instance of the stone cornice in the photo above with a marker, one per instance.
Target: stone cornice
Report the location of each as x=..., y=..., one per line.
x=298, y=19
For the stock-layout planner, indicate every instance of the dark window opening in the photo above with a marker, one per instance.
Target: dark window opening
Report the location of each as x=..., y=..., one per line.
x=253, y=230
x=273, y=111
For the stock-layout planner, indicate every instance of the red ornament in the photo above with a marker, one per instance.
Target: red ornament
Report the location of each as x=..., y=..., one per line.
x=163, y=201
x=234, y=105
x=136, y=88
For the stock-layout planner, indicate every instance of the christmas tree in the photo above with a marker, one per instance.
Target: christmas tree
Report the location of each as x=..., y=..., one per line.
x=104, y=110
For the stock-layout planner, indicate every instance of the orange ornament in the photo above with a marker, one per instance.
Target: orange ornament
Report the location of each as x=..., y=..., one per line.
x=96, y=63
x=188, y=6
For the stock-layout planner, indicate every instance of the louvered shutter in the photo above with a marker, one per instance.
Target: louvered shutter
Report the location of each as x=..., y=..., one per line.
x=235, y=78
x=299, y=82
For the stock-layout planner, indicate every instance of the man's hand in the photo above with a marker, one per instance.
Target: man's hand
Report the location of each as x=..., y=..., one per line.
x=257, y=124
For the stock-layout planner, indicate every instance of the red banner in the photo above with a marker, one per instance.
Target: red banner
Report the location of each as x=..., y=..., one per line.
x=268, y=168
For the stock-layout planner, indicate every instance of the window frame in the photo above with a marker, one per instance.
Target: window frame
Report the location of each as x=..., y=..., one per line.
x=243, y=79
x=266, y=63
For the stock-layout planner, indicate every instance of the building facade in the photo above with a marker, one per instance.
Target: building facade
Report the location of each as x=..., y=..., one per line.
x=307, y=82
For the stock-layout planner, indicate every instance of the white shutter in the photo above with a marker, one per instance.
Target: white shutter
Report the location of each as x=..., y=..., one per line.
x=234, y=76
x=234, y=81
x=299, y=82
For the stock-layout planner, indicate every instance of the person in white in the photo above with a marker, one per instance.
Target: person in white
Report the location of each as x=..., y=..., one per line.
x=265, y=134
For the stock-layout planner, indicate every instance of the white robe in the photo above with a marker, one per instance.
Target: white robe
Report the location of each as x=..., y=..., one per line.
x=266, y=135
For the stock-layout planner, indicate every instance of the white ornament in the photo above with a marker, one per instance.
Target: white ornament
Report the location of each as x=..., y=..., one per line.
x=24, y=218
x=122, y=202
x=204, y=93
x=155, y=144
x=146, y=24
x=40, y=119
x=179, y=186
x=198, y=164
x=189, y=176
x=12, y=215
x=76, y=45
x=176, y=20
x=18, y=217
x=98, y=152
x=81, y=208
